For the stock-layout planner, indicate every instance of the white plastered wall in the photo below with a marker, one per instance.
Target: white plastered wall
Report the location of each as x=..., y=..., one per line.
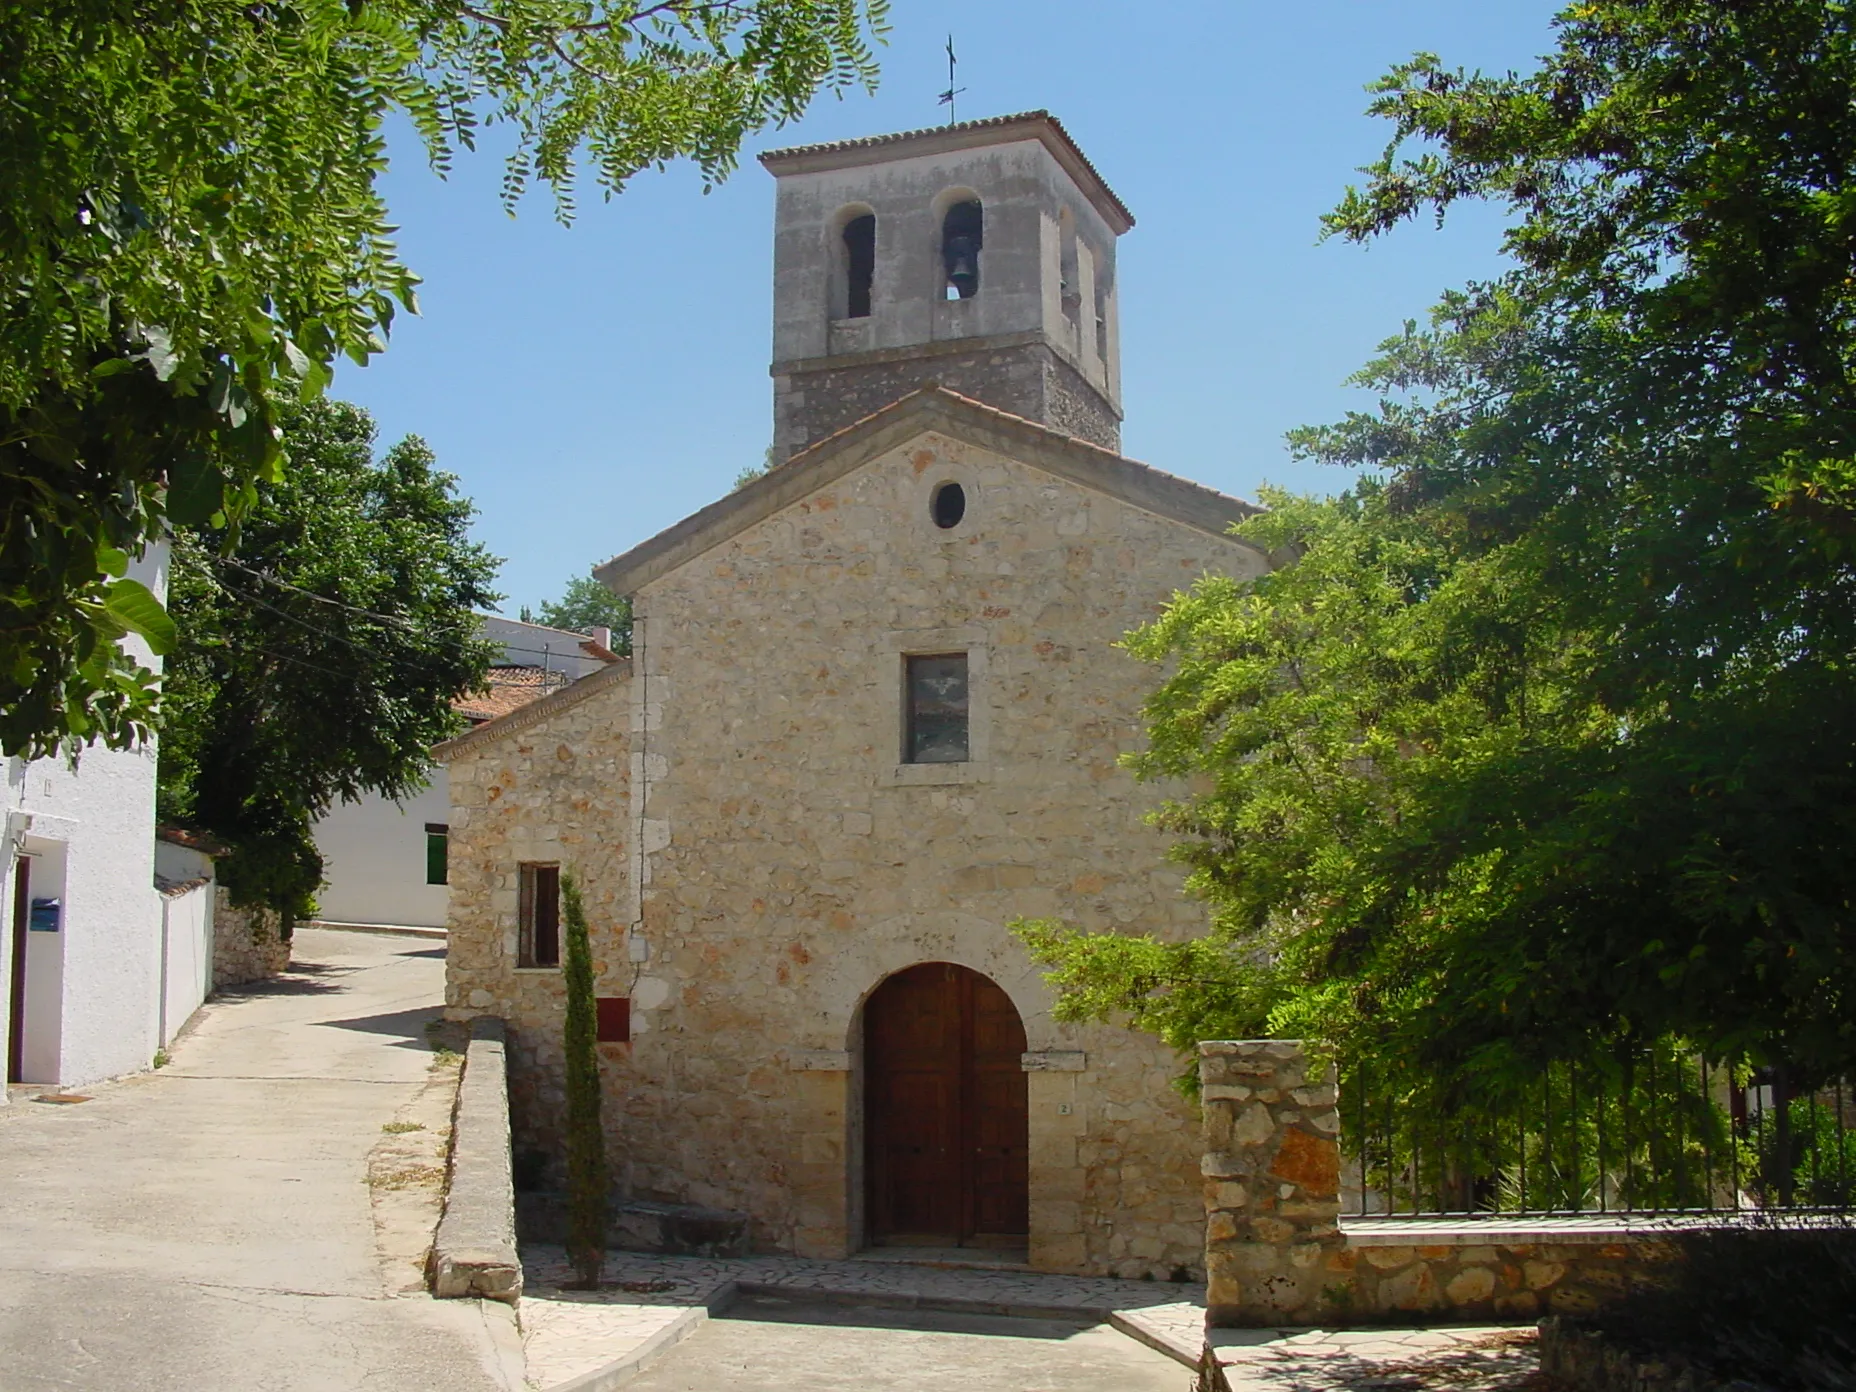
x=373, y=859
x=87, y=827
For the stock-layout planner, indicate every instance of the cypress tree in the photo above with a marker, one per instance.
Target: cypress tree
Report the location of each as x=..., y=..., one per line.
x=586, y=1138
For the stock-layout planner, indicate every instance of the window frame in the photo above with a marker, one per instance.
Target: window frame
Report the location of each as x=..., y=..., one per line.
x=536, y=930
x=438, y=838
x=895, y=650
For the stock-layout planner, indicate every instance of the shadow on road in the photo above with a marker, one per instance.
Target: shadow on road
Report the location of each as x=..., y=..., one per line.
x=408, y=1025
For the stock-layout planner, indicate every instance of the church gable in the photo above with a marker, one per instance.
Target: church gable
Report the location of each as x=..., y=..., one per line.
x=954, y=418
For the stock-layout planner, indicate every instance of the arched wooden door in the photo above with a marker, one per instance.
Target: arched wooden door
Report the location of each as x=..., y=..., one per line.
x=945, y=1116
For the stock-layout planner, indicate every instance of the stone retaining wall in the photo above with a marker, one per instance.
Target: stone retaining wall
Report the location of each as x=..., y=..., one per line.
x=474, y=1249
x=1275, y=1250
x=247, y=946
x=1496, y=1281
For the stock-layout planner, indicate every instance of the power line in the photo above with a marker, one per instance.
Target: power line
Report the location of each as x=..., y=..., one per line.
x=311, y=594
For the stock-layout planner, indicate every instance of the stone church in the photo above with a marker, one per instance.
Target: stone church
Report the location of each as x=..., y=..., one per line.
x=872, y=715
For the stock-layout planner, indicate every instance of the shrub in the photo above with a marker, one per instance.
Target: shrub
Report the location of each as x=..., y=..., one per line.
x=1764, y=1305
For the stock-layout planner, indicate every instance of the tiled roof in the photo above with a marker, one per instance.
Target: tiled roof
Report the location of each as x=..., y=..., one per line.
x=1041, y=120
x=508, y=689
x=535, y=711
x=192, y=840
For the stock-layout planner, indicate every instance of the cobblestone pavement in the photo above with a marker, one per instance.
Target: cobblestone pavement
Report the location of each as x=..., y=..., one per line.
x=645, y=1298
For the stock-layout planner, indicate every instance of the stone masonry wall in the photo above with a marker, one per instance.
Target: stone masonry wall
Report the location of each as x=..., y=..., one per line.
x=1273, y=1249
x=1275, y=1252
x=554, y=792
x=246, y=944
x=1027, y=379
x=795, y=862
x=786, y=862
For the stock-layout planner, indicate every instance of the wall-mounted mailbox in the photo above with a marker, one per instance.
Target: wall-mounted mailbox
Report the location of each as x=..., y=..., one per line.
x=46, y=915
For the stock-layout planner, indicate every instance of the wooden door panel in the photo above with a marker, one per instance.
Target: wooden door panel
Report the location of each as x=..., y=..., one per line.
x=911, y=1055
x=945, y=1109
x=997, y=1116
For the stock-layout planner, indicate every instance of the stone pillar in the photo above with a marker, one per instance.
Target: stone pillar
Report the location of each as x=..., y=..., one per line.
x=821, y=1174
x=1273, y=1248
x=1057, y=1181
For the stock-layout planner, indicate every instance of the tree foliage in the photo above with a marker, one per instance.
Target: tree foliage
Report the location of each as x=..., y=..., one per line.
x=192, y=236
x=321, y=648
x=1548, y=742
x=585, y=605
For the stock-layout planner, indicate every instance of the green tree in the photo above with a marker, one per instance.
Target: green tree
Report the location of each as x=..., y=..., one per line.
x=586, y=604
x=321, y=649
x=586, y=1137
x=192, y=236
x=1549, y=743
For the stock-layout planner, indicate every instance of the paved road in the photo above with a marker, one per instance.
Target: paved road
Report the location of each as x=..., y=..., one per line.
x=770, y=1344
x=208, y=1226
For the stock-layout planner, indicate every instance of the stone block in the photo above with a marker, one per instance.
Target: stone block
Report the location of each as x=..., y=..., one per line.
x=1310, y=1162
x=1253, y=1126
x=1470, y=1286
x=1054, y=1061
x=1414, y=1288
x=1542, y=1275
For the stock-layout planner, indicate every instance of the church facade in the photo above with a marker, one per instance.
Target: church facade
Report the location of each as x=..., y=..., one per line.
x=873, y=715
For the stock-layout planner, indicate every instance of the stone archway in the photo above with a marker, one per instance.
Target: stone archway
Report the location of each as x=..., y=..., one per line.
x=945, y=1109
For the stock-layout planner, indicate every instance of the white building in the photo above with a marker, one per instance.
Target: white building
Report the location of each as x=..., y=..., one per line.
x=384, y=862
x=100, y=967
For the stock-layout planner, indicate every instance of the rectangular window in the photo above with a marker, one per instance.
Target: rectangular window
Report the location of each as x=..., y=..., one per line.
x=936, y=692
x=437, y=853
x=539, y=916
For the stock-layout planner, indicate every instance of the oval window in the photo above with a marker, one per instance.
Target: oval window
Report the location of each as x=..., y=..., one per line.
x=949, y=505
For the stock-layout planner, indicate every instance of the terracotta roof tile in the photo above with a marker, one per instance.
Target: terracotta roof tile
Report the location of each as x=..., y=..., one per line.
x=508, y=689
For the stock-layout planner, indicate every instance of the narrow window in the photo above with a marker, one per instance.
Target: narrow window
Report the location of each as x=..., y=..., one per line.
x=437, y=853
x=949, y=505
x=539, y=916
x=1069, y=287
x=860, y=263
x=937, y=709
x=961, y=236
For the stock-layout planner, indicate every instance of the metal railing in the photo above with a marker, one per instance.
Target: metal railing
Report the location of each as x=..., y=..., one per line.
x=1654, y=1132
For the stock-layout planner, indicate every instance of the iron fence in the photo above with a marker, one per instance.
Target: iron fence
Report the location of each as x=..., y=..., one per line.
x=1652, y=1132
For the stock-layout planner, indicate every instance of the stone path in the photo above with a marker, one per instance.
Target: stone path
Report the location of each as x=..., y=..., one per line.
x=795, y=1344
x=209, y=1226
x=1461, y=1358
x=647, y=1301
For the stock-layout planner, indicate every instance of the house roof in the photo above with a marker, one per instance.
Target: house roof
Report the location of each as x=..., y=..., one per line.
x=994, y=130
x=931, y=408
x=507, y=689
x=535, y=711
x=192, y=840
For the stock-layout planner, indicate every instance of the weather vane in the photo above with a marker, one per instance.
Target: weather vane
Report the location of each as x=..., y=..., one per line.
x=947, y=97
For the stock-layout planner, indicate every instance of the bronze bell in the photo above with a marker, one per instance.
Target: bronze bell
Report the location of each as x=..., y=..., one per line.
x=963, y=265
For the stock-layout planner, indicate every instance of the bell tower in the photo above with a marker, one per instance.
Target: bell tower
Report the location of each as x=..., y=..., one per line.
x=979, y=255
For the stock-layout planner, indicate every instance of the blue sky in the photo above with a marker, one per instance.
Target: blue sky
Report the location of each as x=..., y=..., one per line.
x=591, y=385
